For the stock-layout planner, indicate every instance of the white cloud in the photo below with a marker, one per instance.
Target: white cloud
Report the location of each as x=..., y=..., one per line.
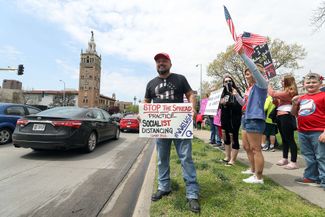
x=192, y=31
x=125, y=85
x=10, y=53
x=70, y=71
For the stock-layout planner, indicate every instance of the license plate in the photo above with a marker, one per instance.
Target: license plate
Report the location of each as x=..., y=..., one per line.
x=129, y=122
x=39, y=127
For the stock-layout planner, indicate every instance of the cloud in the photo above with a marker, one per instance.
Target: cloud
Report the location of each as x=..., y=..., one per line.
x=12, y=54
x=192, y=32
x=125, y=86
x=70, y=71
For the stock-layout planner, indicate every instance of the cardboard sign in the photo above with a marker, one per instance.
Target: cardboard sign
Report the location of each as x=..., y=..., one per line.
x=203, y=105
x=166, y=120
x=213, y=102
x=262, y=55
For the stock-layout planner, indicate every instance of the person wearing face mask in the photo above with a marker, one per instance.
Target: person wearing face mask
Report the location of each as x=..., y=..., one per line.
x=170, y=87
x=231, y=112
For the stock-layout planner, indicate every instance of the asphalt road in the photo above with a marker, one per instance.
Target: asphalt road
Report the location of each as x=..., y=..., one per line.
x=69, y=183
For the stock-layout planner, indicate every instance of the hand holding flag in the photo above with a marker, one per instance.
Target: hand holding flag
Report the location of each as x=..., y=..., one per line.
x=247, y=40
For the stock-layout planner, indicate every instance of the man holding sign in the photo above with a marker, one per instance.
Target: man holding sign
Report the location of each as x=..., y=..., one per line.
x=169, y=87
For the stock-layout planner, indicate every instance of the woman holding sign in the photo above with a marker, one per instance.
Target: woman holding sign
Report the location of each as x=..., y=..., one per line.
x=230, y=119
x=253, y=119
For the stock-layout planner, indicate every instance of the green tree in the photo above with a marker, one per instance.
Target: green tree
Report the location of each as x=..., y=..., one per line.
x=132, y=108
x=285, y=59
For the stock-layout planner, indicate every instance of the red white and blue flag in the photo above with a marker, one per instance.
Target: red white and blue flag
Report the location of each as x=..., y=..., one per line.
x=247, y=40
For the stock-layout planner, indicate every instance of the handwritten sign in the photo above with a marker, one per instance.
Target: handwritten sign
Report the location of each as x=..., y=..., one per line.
x=213, y=102
x=166, y=120
x=262, y=55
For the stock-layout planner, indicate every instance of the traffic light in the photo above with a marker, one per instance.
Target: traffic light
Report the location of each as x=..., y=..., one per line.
x=20, y=69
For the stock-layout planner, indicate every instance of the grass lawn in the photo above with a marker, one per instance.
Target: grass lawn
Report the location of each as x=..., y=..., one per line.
x=222, y=192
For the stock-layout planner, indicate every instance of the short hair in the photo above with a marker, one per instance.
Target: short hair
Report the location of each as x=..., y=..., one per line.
x=312, y=75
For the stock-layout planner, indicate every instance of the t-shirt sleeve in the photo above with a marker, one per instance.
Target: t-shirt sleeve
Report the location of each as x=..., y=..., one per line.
x=147, y=95
x=186, y=85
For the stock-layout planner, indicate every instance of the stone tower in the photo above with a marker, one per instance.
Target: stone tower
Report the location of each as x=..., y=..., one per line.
x=89, y=76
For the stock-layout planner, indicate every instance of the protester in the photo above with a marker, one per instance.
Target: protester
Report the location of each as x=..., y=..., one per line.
x=218, y=130
x=253, y=119
x=170, y=87
x=230, y=119
x=286, y=121
x=310, y=109
x=270, y=127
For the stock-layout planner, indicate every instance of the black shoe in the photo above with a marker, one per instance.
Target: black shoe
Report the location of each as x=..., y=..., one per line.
x=194, y=205
x=159, y=194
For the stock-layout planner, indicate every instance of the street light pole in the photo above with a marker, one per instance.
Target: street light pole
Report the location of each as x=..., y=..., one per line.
x=63, y=92
x=200, y=79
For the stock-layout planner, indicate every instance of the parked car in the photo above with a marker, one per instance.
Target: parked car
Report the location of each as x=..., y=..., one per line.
x=117, y=117
x=65, y=128
x=129, y=123
x=9, y=114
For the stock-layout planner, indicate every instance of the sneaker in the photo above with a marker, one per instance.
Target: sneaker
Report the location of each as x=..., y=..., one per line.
x=272, y=149
x=291, y=166
x=282, y=162
x=265, y=148
x=307, y=181
x=253, y=180
x=248, y=172
x=194, y=205
x=159, y=194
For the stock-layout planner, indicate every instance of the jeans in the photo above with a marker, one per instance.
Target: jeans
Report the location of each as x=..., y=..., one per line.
x=217, y=135
x=314, y=153
x=184, y=152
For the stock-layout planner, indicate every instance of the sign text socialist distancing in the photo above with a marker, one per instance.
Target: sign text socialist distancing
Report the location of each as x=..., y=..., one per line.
x=166, y=120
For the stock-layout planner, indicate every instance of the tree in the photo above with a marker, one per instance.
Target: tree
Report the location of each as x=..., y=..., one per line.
x=318, y=18
x=284, y=56
x=58, y=100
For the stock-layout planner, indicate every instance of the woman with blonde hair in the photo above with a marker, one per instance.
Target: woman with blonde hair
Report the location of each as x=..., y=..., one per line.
x=285, y=120
x=253, y=119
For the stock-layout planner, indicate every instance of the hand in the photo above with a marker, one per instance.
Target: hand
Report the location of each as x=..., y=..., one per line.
x=234, y=92
x=322, y=137
x=194, y=113
x=222, y=101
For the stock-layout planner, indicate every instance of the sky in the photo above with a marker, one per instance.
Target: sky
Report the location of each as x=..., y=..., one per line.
x=47, y=36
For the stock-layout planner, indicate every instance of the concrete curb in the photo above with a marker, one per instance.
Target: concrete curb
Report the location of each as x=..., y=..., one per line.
x=142, y=208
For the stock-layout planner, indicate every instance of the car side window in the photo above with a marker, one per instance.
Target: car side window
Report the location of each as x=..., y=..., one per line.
x=98, y=115
x=32, y=111
x=15, y=110
x=106, y=115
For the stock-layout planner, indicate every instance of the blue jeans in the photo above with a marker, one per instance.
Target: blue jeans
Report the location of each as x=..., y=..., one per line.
x=218, y=137
x=314, y=153
x=184, y=152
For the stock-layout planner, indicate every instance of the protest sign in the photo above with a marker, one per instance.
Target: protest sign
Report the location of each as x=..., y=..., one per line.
x=213, y=102
x=203, y=105
x=262, y=55
x=166, y=120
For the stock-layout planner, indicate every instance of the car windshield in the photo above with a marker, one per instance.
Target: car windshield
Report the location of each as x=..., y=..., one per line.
x=62, y=112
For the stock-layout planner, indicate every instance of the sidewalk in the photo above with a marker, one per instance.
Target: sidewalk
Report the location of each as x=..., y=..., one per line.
x=283, y=177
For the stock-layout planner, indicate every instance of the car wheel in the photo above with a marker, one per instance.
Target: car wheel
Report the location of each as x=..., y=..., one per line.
x=91, y=142
x=5, y=136
x=117, y=134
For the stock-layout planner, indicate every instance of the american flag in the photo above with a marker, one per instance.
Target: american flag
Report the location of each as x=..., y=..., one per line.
x=247, y=40
x=230, y=23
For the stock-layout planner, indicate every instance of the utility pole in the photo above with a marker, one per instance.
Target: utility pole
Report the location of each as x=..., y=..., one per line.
x=197, y=65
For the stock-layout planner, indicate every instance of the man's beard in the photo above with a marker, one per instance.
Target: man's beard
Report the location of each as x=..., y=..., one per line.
x=162, y=71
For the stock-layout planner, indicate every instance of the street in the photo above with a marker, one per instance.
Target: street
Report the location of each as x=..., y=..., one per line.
x=70, y=183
